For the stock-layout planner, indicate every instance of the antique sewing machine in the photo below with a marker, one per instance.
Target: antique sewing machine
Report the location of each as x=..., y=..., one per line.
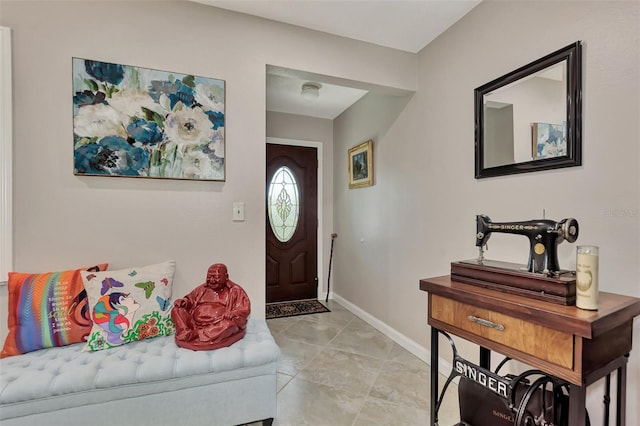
x=544, y=236
x=542, y=278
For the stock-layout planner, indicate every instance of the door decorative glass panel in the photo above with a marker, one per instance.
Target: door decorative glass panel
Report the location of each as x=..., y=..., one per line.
x=283, y=204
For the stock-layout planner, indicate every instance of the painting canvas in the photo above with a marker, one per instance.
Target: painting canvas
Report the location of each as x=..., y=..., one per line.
x=548, y=140
x=139, y=122
x=360, y=159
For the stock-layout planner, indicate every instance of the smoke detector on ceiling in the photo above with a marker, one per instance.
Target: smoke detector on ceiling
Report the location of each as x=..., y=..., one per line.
x=310, y=90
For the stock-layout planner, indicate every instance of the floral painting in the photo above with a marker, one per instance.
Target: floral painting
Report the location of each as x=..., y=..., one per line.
x=548, y=140
x=139, y=122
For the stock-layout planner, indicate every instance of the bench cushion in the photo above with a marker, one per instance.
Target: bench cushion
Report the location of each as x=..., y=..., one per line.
x=65, y=377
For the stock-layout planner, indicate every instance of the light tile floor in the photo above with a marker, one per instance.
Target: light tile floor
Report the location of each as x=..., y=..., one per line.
x=335, y=369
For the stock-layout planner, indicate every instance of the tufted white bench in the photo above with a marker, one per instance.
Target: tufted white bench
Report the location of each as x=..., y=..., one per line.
x=151, y=382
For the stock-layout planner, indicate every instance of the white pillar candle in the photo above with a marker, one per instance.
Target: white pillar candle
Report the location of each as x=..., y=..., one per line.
x=587, y=277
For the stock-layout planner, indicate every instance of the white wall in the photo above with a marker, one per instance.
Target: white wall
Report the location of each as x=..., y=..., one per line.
x=65, y=221
x=420, y=215
x=6, y=154
x=498, y=128
x=371, y=265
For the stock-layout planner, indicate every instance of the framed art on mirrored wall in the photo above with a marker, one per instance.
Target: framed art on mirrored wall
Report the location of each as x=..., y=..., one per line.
x=139, y=122
x=360, y=159
x=548, y=140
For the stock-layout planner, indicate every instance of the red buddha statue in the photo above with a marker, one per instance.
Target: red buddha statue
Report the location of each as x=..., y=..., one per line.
x=213, y=315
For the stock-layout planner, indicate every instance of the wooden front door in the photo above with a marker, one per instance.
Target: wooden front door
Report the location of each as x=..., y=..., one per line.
x=292, y=222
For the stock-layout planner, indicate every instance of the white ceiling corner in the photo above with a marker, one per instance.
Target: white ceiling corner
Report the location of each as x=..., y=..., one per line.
x=284, y=95
x=400, y=24
x=407, y=25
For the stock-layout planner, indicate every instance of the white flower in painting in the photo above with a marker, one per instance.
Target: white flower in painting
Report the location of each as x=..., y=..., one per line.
x=130, y=101
x=554, y=149
x=197, y=165
x=188, y=126
x=562, y=147
x=165, y=102
x=98, y=121
x=217, y=144
x=550, y=150
x=210, y=96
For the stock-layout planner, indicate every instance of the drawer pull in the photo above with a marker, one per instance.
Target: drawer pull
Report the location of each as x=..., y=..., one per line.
x=486, y=323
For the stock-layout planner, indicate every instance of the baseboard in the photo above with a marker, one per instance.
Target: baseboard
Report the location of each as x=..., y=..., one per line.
x=444, y=367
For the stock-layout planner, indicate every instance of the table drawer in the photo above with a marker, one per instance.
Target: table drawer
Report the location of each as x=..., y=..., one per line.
x=541, y=342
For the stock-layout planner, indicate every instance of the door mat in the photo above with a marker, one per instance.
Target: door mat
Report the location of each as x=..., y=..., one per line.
x=293, y=308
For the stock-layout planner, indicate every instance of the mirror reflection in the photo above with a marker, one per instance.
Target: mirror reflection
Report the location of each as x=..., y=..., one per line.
x=526, y=120
x=529, y=119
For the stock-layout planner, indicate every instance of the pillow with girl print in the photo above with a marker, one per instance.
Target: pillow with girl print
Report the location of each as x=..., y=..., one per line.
x=129, y=304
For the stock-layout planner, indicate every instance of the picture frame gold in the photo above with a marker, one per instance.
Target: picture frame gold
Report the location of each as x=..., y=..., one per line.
x=360, y=163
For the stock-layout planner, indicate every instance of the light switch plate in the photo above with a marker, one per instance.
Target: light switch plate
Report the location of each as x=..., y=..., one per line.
x=238, y=211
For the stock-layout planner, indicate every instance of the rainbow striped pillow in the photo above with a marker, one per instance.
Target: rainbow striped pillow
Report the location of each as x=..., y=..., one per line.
x=47, y=310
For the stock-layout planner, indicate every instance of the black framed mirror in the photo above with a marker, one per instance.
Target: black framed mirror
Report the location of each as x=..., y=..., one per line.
x=530, y=119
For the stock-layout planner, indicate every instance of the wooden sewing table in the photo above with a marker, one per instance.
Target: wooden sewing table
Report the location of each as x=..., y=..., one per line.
x=578, y=346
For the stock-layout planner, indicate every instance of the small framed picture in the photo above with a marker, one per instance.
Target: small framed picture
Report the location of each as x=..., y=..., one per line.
x=548, y=140
x=361, y=165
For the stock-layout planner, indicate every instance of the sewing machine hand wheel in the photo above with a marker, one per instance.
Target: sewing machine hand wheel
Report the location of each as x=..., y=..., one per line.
x=569, y=229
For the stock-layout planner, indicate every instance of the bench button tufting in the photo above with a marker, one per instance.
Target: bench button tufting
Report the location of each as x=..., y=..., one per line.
x=144, y=366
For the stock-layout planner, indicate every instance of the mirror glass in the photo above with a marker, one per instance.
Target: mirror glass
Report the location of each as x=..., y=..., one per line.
x=529, y=119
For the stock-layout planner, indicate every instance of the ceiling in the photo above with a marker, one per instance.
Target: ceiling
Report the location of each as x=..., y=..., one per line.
x=407, y=25
x=284, y=95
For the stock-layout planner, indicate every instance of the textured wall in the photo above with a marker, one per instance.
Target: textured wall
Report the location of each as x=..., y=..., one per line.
x=420, y=215
x=64, y=221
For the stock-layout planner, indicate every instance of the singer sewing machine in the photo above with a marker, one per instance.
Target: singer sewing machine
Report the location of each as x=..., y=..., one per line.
x=544, y=236
x=542, y=277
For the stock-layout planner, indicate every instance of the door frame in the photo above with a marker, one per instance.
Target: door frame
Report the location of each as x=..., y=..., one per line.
x=318, y=146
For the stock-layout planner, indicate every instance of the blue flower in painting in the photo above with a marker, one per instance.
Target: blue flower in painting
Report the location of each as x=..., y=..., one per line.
x=176, y=91
x=216, y=118
x=139, y=159
x=105, y=71
x=112, y=155
x=83, y=159
x=184, y=94
x=87, y=97
x=146, y=132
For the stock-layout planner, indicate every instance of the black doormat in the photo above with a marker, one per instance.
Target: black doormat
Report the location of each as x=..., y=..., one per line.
x=293, y=308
